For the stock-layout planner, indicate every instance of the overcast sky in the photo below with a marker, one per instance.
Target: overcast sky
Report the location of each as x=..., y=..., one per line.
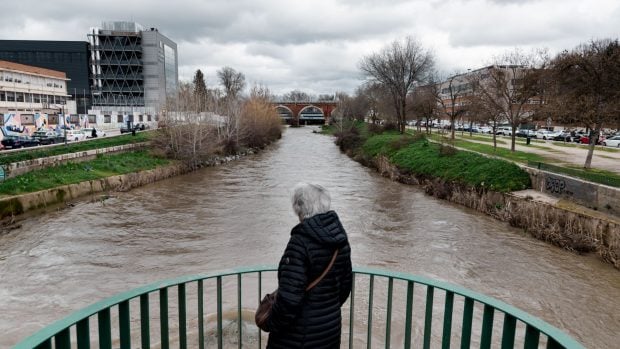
x=315, y=46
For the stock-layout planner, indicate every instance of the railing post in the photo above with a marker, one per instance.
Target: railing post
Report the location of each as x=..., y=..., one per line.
x=388, y=317
x=163, y=318
x=352, y=312
x=201, y=320
x=123, y=322
x=447, y=320
x=408, y=315
x=369, y=328
x=105, y=329
x=145, y=329
x=428, y=316
x=182, y=317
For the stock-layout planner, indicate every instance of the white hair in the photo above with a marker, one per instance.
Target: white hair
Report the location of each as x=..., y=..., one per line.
x=309, y=200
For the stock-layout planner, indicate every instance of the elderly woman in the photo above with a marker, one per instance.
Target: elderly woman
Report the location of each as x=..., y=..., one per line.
x=303, y=318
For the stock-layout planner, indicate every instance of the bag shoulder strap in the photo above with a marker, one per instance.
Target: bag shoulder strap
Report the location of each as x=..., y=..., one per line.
x=331, y=263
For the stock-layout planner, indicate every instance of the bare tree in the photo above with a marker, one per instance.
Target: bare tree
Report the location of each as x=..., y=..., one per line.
x=586, y=88
x=451, y=97
x=514, y=85
x=399, y=67
x=232, y=81
x=484, y=107
x=297, y=96
x=424, y=105
x=189, y=136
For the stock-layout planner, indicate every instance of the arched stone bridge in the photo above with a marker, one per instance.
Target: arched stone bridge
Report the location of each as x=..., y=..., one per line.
x=305, y=113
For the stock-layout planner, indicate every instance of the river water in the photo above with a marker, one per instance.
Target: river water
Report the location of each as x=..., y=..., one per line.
x=239, y=214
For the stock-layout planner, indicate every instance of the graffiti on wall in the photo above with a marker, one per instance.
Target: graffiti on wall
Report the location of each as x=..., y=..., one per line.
x=557, y=186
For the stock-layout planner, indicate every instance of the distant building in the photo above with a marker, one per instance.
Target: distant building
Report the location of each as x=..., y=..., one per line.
x=132, y=69
x=27, y=90
x=70, y=57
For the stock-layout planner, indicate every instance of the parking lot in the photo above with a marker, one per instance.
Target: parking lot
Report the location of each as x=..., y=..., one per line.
x=605, y=158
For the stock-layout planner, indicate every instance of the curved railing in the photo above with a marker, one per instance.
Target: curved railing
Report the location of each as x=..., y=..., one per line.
x=397, y=309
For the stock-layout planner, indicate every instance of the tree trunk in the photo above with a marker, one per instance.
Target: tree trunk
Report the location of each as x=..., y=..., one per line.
x=592, y=144
x=513, y=138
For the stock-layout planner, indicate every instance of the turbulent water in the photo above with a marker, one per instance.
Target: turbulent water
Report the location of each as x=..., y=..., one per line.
x=239, y=214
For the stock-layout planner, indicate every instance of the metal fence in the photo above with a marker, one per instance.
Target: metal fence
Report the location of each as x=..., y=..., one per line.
x=578, y=173
x=385, y=309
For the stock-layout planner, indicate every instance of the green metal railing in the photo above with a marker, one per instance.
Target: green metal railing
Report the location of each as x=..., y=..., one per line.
x=385, y=309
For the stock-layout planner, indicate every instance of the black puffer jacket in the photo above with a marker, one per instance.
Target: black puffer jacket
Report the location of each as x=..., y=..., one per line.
x=312, y=319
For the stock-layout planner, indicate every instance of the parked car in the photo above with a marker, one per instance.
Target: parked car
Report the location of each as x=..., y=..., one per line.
x=585, y=139
x=504, y=131
x=13, y=142
x=546, y=134
x=612, y=142
x=89, y=132
x=526, y=133
x=141, y=127
x=48, y=137
x=75, y=135
x=564, y=137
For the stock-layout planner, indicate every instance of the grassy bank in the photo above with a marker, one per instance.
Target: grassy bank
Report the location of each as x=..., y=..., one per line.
x=36, y=153
x=416, y=155
x=101, y=167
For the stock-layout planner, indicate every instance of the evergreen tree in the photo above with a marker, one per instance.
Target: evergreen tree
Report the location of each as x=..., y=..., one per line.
x=200, y=91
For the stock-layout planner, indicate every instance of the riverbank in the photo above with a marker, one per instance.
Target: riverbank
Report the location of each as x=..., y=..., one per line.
x=483, y=184
x=59, y=185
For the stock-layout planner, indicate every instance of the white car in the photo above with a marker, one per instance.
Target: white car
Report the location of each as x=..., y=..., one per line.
x=612, y=142
x=546, y=134
x=89, y=132
x=75, y=135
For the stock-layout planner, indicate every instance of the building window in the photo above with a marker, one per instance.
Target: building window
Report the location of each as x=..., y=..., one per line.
x=140, y=118
x=148, y=117
x=2, y=96
x=74, y=119
x=92, y=119
x=107, y=119
x=52, y=119
x=36, y=98
x=10, y=96
x=27, y=119
x=119, y=118
x=19, y=97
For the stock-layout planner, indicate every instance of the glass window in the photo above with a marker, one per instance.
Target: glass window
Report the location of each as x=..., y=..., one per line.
x=52, y=119
x=92, y=119
x=10, y=96
x=140, y=118
x=119, y=118
x=148, y=117
x=19, y=96
x=107, y=119
x=2, y=96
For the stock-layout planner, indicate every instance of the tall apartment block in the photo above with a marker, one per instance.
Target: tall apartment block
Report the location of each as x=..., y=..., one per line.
x=133, y=69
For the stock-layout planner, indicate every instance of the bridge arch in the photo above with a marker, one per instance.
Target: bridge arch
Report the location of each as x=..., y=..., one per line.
x=285, y=112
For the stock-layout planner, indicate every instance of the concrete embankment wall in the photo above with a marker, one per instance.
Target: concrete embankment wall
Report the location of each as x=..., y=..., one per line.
x=21, y=167
x=16, y=205
x=564, y=228
x=595, y=196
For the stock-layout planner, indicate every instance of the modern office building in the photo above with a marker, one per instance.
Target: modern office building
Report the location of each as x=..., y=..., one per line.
x=132, y=69
x=70, y=57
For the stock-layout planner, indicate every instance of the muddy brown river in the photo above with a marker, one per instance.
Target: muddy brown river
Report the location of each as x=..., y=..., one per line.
x=239, y=214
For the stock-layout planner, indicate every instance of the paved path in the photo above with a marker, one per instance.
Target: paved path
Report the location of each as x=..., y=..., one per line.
x=604, y=160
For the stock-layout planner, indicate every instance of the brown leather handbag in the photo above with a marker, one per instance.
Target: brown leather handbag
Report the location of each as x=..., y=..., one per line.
x=264, y=308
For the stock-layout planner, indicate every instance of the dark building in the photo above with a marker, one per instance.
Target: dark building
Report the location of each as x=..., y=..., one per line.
x=71, y=57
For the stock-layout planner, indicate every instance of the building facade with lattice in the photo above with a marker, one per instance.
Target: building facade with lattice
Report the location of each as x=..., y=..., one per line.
x=133, y=70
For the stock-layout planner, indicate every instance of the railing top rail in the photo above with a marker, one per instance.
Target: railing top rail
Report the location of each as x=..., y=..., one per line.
x=544, y=327
x=56, y=327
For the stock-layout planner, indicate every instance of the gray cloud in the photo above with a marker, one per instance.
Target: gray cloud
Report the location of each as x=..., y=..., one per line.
x=315, y=45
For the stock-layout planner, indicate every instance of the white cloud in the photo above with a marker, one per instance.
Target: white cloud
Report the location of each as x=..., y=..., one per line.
x=315, y=46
